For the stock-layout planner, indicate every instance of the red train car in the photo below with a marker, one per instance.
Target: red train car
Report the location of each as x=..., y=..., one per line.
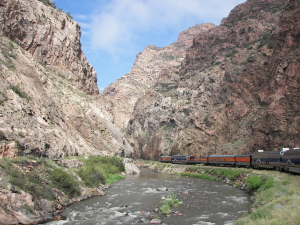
x=231, y=160
x=193, y=160
x=221, y=160
x=243, y=160
x=166, y=159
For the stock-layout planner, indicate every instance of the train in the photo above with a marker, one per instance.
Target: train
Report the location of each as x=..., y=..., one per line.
x=286, y=159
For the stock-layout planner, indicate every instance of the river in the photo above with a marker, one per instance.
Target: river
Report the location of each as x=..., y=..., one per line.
x=133, y=200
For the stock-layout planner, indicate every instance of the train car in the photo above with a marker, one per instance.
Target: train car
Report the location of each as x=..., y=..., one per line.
x=219, y=160
x=287, y=159
x=291, y=160
x=243, y=160
x=266, y=159
x=193, y=160
x=180, y=159
x=165, y=159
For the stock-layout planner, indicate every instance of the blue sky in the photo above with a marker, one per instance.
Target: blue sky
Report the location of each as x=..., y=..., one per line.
x=115, y=31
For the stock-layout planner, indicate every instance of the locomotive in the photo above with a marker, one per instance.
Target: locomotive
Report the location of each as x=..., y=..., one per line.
x=287, y=159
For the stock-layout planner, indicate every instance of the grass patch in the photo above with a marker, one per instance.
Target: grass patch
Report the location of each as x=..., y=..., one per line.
x=170, y=202
x=97, y=169
x=113, y=178
x=276, y=201
x=197, y=175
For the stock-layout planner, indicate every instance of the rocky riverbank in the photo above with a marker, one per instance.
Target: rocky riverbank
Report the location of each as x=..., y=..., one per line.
x=34, y=191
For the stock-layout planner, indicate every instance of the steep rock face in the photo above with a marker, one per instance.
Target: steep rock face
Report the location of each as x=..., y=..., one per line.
x=51, y=37
x=235, y=92
x=49, y=104
x=125, y=92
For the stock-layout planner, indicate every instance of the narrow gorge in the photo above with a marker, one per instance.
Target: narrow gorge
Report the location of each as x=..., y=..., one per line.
x=231, y=88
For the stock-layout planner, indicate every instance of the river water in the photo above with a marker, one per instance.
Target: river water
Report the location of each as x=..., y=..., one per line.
x=133, y=200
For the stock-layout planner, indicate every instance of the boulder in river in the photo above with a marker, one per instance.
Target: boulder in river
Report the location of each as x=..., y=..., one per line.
x=130, y=167
x=155, y=221
x=162, y=189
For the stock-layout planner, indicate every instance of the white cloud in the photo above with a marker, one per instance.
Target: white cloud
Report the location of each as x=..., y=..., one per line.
x=116, y=27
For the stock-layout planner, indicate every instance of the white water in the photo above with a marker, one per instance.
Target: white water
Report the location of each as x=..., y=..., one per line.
x=133, y=199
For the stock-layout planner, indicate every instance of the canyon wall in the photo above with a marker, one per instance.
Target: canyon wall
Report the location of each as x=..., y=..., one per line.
x=50, y=105
x=235, y=90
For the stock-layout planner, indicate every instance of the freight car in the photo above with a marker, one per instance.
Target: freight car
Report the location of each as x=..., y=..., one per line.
x=288, y=159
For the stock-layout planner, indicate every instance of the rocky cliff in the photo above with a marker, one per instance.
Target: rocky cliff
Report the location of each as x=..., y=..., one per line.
x=145, y=72
x=235, y=91
x=50, y=107
x=49, y=100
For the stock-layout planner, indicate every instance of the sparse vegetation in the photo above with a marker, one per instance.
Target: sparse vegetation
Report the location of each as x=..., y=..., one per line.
x=170, y=202
x=232, y=53
x=22, y=94
x=10, y=45
x=48, y=3
x=69, y=15
x=38, y=176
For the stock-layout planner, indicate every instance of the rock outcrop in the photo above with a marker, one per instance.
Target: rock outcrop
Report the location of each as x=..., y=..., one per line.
x=130, y=167
x=49, y=100
x=235, y=91
x=145, y=72
x=51, y=37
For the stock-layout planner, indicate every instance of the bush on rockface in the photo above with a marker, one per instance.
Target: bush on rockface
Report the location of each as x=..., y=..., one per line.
x=65, y=182
x=97, y=169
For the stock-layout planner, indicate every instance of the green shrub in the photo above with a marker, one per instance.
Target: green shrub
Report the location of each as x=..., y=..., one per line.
x=10, y=45
x=254, y=182
x=232, y=53
x=92, y=176
x=97, y=169
x=63, y=181
x=69, y=15
x=19, y=92
x=271, y=44
x=18, y=181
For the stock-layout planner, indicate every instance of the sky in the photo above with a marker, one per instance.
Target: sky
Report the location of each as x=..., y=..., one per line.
x=115, y=31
